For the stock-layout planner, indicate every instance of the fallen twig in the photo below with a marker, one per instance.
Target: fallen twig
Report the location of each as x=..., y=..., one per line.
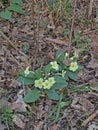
x=9, y=41
x=93, y=93
x=35, y=29
x=72, y=25
x=90, y=118
x=90, y=8
x=57, y=41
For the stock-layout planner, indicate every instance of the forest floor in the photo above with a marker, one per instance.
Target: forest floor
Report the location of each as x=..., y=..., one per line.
x=17, y=51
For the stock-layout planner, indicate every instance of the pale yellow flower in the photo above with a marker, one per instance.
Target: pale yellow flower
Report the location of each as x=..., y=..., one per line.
x=75, y=55
x=51, y=81
x=39, y=83
x=72, y=58
x=26, y=72
x=66, y=55
x=63, y=73
x=54, y=65
x=73, y=67
x=46, y=84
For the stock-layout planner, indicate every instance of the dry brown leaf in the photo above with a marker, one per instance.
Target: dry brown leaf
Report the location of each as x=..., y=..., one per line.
x=92, y=81
x=50, y=55
x=93, y=62
x=96, y=73
x=41, y=112
x=18, y=120
x=86, y=104
x=67, y=62
x=55, y=127
x=94, y=44
x=51, y=21
x=19, y=105
x=4, y=103
x=39, y=126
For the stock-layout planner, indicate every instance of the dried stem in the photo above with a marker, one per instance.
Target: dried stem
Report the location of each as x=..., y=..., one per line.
x=90, y=8
x=72, y=25
x=36, y=31
x=90, y=118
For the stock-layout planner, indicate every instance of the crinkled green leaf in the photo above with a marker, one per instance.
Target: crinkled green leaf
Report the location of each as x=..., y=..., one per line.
x=32, y=96
x=30, y=75
x=6, y=14
x=25, y=81
x=47, y=68
x=60, y=83
x=80, y=67
x=72, y=75
x=39, y=73
x=51, y=2
x=52, y=95
x=26, y=47
x=19, y=2
x=16, y=8
x=59, y=56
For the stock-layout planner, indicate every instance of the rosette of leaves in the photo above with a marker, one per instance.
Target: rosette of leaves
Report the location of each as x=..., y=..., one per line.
x=35, y=93
x=44, y=73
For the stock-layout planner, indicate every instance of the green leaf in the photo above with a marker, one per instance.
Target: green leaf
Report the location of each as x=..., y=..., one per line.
x=4, y=2
x=31, y=75
x=51, y=112
x=58, y=109
x=16, y=8
x=6, y=14
x=26, y=47
x=19, y=2
x=51, y=3
x=60, y=83
x=52, y=95
x=32, y=96
x=39, y=73
x=72, y=75
x=59, y=56
x=26, y=81
x=80, y=67
x=66, y=103
x=88, y=40
x=67, y=3
x=67, y=32
x=47, y=68
x=79, y=89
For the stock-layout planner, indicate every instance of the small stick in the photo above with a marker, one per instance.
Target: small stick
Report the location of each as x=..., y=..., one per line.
x=90, y=118
x=90, y=8
x=6, y=38
x=35, y=29
x=72, y=25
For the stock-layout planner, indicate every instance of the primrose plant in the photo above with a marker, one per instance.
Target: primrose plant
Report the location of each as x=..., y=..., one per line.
x=51, y=78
